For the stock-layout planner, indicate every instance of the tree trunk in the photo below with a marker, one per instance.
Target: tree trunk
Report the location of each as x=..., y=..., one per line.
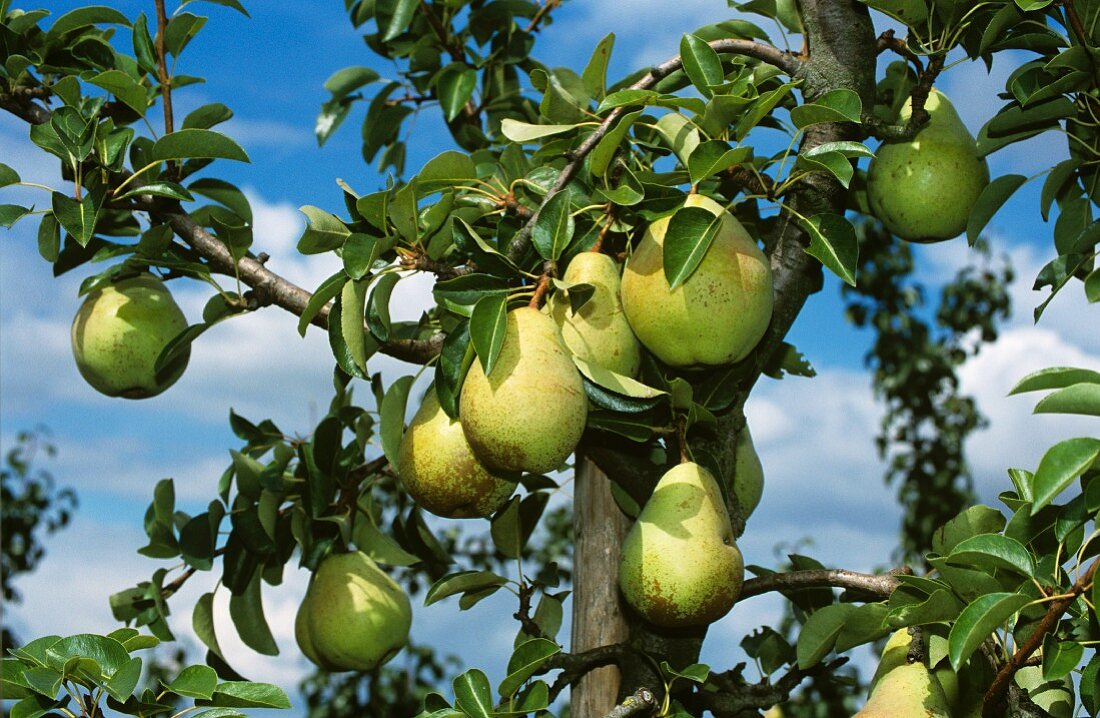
x=598, y=530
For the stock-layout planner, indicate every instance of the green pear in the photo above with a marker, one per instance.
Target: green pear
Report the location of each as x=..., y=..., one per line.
x=748, y=474
x=354, y=616
x=1055, y=697
x=923, y=189
x=908, y=691
x=529, y=414
x=598, y=332
x=439, y=470
x=718, y=314
x=118, y=333
x=680, y=565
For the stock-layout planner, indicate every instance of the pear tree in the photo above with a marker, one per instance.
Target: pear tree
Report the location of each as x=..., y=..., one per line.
x=617, y=263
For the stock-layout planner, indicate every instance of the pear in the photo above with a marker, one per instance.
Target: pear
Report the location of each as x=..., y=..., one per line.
x=354, y=617
x=118, y=333
x=718, y=314
x=923, y=189
x=896, y=653
x=680, y=565
x=748, y=474
x=439, y=469
x=908, y=691
x=529, y=414
x=598, y=332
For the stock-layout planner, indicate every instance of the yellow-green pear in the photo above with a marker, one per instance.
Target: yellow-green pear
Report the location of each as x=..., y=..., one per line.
x=1055, y=697
x=748, y=474
x=923, y=189
x=896, y=653
x=598, y=332
x=439, y=470
x=908, y=691
x=718, y=314
x=680, y=565
x=118, y=333
x=354, y=616
x=529, y=413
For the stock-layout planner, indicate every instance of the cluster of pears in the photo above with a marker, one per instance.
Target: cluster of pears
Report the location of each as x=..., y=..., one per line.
x=120, y=330
x=354, y=617
x=923, y=189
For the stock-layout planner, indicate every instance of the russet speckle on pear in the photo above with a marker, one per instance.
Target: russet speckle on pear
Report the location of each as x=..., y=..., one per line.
x=923, y=189
x=354, y=617
x=598, y=332
x=719, y=313
x=529, y=414
x=118, y=333
x=439, y=470
x=680, y=565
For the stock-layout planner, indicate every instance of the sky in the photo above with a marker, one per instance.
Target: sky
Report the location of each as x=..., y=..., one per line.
x=815, y=437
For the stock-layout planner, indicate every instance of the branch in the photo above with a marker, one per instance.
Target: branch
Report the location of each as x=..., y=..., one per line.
x=994, y=697
x=919, y=117
x=735, y=697
x=887, y=41
x=574, y=666
x=781, y=59
x=880, y=586
x=162, y=67
x=643, y=701
x=21, y=105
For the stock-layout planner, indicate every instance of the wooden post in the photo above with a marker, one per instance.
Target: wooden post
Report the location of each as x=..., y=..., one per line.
x=598, y=531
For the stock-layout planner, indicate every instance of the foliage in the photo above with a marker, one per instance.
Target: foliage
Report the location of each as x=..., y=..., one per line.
x=555, y=162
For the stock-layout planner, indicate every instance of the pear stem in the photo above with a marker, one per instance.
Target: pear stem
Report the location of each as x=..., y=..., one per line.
x=540, y=291
x=609, y=210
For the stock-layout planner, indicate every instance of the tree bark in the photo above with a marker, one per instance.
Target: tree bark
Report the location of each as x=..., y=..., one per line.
x=598, y=531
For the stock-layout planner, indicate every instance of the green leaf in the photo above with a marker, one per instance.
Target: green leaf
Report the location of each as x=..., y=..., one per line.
x=840, y=105
x=599, y=160
x=554, y=225
x=346, y=81
x=473, y=694
x=202, y=622
x=701, y=64
x=681, y=136
x=522, y=132
x=8, y=176
x=246, y=694
x=973, y=521
x=687, y=239
x=992, y=198
x=235, y=4
x=324, y=232
x=714, y=156
x=462, y=582
x=359, y=345
x=224, y=194
x=1081, y=398
x=77, y=218
x=835, y=163
x=378, y=310
x=761, y=107
x=1060, y=465
x=196, y=143
x=391, y=417
x=247, y=611
x=993, y=550
x=195, y=682
x=125, y=88
x=379, y=546
x=171, y=190
x=84, y=16
x=525, y=660
x=978, y=621
x=109, y=654
x=1055, y=378
x=594, y=75
x=455, y=85
x=488, y=323
x=122, y=684
x=12, y=213
x=833, y=242
x=1060, y=657
x=616, y=382
x=205, y=117
x=328, y=290
x=623, y=98
x=181, y=29
x=820, y=632
x=505, y=529
x=403, y=11
x=444, y=171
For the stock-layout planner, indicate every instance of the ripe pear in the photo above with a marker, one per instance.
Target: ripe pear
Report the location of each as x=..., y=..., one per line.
x=118, y=333
x=748, y=474
x=439, y=469
x=598, y=332
x=354, y=616
x=896, y=653
x=529, y=414
x=908, y=691
x=718, y=314
x=923, y=189
x=680, y=565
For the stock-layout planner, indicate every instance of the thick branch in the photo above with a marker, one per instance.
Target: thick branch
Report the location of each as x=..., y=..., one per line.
x=785, y=61
x=994, y=697
x=162, y=67
x=880, y=586
x=574, y=666
x=22, y=106
x=735, y=697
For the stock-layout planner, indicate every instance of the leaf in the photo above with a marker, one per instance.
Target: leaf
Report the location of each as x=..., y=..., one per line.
x=701, y=64
x=681, y=136
x=391, y=417
x=8, y=176
x=125, y=88
x=760, y=108
x=246, y=694
x=833, y=242
x=195, y=682
x=202, y=622
x=343, y=82
x=594, y=75
x=525, y=660
x=522, y=132
x=109, y=654
x=978, y=621
x=195, y=143
x=1054, y=378
x=444, y=171
x=820, y=632
x=224, y=194
x=1060, y=657
x=328, y=290
x=455, y=85
x=359, y=345
x=696, y=672
x=599, y=160
x=687, y=239
x=992, y=198
x=840, y=105
x=714, y=156
x=205, y=117
x=77, y=218
x=12, y=213
x=403, y=11
x=379, y=546
x=473, y=694
x=1081, y=398
x=122, y=684
x=462, y=582
x=993, y=550
x=488, y=322
x=554, y=225
x=970, y=522
x=1060, y=465
x=324, y=233
x=171, y=190
x=235, y=4
x=617, y=383
x=84, y=16
x=247, y=611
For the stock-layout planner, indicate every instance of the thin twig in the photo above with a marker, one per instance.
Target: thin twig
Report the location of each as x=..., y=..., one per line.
x=162, y=76
x=643, y=701
x=887, y=41
x=546, y=7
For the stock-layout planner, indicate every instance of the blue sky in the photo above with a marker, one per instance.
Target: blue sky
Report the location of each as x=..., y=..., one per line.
x=814, y=436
